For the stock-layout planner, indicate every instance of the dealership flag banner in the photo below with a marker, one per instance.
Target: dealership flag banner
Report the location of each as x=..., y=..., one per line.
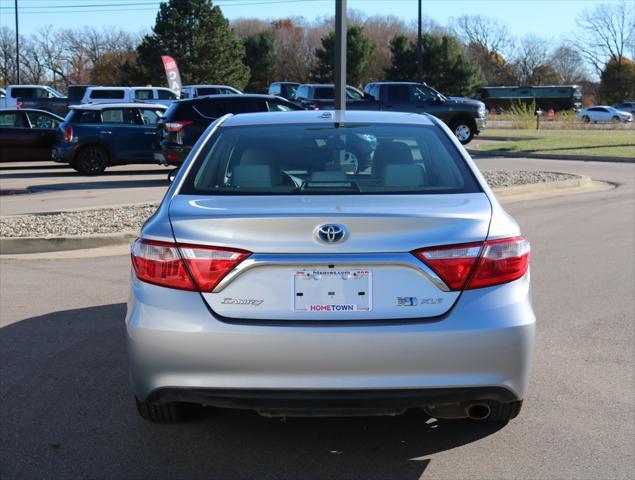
x=172, y=72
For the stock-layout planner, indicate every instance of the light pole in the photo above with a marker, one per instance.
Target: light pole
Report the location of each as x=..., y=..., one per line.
x=340, y=55
x=419, y=47
x=17, y=46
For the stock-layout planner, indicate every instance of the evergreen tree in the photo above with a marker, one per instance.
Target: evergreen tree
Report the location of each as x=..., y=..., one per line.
x=445, y=66
x=359, y=53
x=261, y=61
x=197, y=35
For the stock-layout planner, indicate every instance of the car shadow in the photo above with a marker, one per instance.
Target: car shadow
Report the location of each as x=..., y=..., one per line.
x=98, y=185
x=67, y=412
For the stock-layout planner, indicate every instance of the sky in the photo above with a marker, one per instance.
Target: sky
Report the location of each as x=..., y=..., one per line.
x=546, y=18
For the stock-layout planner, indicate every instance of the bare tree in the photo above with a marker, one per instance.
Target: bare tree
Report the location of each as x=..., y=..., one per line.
x=488, y=33
x=531, y=59
x=568, y=63
x=607, y=32
x=7, y=56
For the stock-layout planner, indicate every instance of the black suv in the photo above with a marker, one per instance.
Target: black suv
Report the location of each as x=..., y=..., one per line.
x=186, y=120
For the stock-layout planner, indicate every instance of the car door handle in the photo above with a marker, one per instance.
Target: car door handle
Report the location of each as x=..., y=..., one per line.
x=105, y=131
x=150, y=133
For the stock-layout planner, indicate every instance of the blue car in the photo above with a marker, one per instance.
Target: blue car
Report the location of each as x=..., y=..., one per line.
x=93, y=137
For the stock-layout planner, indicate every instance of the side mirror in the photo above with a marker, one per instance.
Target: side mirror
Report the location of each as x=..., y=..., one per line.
x=172, y=174
x=439, y=99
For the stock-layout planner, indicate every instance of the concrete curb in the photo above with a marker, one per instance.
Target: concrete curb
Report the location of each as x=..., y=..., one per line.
x=20, y=245
x=549, y=156
x=29, y=245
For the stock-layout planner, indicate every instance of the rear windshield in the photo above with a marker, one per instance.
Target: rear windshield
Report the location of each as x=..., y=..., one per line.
x=329, y=160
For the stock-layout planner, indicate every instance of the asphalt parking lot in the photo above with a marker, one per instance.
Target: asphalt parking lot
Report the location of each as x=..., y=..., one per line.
x=67, y=411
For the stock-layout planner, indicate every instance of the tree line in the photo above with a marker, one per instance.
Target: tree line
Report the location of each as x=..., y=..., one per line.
x=249, y=54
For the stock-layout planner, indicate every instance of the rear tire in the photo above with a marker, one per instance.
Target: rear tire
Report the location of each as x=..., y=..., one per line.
x=504, y=412
x=464, y=128
x=586, y=119
x=170, y=412
x=91, y=161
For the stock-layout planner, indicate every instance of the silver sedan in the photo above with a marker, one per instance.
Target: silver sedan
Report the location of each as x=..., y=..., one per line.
x=329, y=263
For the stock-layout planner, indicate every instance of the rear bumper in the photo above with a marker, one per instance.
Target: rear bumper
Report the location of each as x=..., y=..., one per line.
x=308, y=402
x=64, y=154
x=172, y=154
x=179, y=350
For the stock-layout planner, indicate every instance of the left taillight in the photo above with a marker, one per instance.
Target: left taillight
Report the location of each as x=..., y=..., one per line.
x=68, y=134
x=184, y=267
x=478, y=265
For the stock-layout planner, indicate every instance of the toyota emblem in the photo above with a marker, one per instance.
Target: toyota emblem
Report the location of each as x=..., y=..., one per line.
x=331, y=233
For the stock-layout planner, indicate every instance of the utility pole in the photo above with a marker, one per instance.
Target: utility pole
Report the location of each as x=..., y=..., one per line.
x=340, y=55
x=419, y=47
x=17, y=46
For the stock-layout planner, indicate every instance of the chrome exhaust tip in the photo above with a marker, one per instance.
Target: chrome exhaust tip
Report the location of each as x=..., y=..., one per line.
x=478, y=411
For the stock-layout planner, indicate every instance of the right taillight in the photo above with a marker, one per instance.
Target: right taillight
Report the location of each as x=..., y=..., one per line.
x=478, y=265
x=184, y=267
x=176, y=127
x=68, y=134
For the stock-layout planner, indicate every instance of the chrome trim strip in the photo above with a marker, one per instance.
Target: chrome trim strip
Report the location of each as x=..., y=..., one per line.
x=346, y=259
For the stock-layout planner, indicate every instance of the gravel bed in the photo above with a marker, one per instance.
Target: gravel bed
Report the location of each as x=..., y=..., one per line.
x=509, y=178
x=123, y=219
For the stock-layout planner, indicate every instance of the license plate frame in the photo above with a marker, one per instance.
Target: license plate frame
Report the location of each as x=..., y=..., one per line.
x=332, y=290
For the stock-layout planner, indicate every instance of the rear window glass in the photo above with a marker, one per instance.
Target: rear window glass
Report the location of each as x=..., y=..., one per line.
x=207, y=91
x=245, y=106
x=324, y=93
x=325, y=160
x=83, y=116
x=107, y=94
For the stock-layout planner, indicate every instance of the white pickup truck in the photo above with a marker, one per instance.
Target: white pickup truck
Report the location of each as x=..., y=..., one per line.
x=161, y=95
x=15, y=92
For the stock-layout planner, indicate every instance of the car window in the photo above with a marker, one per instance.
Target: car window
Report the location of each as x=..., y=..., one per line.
x=85, y=116
x=324, y=93
x=150, y=116
x=12, y=119
x=245, y=106
x=329, y=160
x=302, y=92
x=145, y=94
x=42, y=120
x=114, y=115
x=275, y=89
x=207, y=91
x=210, y=108
x=23, y=92
x=398, y=93
x=279, y=107
x=422, y=94
x=353, y=94
x=107, y=94
x=166, y=95
x=291, y=91
x=227, y=91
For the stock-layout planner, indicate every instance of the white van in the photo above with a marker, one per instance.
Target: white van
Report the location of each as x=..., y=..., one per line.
x=161, y=95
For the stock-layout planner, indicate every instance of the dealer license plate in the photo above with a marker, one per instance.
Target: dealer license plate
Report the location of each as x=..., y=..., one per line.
x=332, y=290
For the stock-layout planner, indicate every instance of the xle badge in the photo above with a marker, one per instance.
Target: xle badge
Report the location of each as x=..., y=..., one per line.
x=414, y=301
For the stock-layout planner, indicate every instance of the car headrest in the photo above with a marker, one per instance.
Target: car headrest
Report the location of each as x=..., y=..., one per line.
x=400, y=175
x=255, y=156
x=256, y=176
x=391, y=153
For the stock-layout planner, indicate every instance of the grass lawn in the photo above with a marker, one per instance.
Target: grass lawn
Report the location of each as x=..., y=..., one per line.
x=600, y=143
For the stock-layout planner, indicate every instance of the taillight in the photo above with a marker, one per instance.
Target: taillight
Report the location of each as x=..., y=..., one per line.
x=478, y=265
x=18, y=104
x=175, y=127
x=68, y=134
x=184, y=267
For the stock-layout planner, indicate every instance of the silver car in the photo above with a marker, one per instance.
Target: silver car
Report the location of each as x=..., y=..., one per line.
x=329, y=263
